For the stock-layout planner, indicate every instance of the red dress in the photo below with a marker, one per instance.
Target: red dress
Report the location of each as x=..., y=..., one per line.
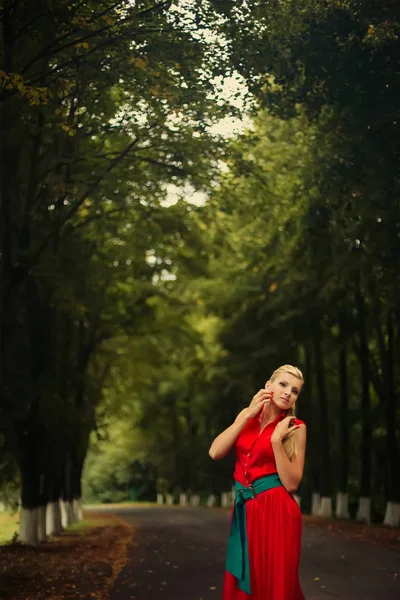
x=273, y=521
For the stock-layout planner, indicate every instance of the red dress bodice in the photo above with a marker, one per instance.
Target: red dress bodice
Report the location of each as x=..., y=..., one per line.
x=254, y=453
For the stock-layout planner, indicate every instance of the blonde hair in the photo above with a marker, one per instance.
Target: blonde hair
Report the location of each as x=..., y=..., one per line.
x=289, y=443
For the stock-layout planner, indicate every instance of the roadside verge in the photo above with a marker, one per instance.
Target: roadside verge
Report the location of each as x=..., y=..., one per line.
x=81, y=563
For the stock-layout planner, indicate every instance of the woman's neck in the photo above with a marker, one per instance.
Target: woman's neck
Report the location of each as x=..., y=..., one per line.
x=269, y=414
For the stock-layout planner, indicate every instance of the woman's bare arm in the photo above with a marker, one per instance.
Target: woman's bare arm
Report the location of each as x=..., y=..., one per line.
x=225, y=440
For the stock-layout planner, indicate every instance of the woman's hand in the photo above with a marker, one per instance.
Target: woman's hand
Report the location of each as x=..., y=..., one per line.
x=260, y=399
x=226, y=440
x=285, y=428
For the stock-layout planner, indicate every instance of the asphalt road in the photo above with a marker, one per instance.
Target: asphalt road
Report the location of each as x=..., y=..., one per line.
x=179, y=554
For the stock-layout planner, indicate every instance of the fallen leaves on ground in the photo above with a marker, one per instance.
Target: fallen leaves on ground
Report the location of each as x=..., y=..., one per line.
x=389, y=537
x=81, y=564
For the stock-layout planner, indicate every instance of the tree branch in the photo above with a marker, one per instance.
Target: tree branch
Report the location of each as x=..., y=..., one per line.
x=83, y=197
x=46, y=49
x=72, y=61
x=94, y=218
x=79, y=40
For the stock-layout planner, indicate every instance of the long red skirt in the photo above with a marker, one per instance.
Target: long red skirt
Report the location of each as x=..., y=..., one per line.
x=274, y=526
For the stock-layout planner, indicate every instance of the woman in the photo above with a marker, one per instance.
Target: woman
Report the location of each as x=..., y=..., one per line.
x=265, y=536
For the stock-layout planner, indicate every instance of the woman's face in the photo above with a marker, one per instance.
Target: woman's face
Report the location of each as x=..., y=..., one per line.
x=286, y=388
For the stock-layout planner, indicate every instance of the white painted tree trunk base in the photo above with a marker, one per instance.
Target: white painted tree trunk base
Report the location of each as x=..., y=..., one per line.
x=211, y=501
x=195, y=500
x=160, y=499
x=226, y=499
x=64, y=514
x=42, y=536
x=342, y=506
x=315, y=503
x=183, y=499
x=28, y=526
x=325, y=509
x=392, y=514
x=364, y=510
x=53, y=519
x=170, y=499
x=77, y=509
x=67, y=514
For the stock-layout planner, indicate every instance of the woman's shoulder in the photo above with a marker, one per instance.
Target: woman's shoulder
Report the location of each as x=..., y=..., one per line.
x=247, y=429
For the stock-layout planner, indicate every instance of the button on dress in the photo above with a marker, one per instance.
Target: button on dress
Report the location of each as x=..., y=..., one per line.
x=273, y=522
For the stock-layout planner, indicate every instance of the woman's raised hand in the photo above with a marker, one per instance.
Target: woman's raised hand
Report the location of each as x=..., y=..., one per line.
x=284, y=429
x=260, y=399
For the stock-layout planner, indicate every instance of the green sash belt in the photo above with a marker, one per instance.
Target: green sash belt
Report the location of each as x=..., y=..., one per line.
x=237, y=559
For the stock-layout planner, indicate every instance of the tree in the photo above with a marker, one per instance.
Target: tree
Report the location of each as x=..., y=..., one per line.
x=100, y=107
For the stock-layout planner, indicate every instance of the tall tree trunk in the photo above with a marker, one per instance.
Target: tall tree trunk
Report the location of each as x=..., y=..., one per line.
x=77, y=488
x=8, y=188
x=308, y=411
x=53, y=512
x=67, y=498
x=30, y=481
x=326, y=471
x=392, y=516
x=43, y=501
x=364, y=509
x=342, y=510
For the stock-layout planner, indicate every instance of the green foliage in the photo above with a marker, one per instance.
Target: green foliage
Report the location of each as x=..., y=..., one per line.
x=153, y=325
x=276, y=266
x=101, y=107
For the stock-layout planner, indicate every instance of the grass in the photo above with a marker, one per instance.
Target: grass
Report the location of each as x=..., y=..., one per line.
x=9, y=523
x=86, y=524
